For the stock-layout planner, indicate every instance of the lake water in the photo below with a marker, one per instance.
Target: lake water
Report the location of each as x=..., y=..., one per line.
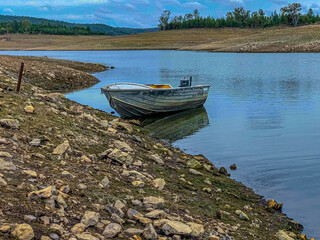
x=263, y=113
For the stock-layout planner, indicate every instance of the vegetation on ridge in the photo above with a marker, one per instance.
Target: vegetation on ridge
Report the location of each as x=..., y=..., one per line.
x=240, y=18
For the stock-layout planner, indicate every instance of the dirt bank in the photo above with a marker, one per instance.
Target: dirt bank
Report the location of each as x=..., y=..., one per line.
x=68, y=171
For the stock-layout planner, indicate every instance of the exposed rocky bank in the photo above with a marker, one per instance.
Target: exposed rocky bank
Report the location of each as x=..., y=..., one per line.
x=68, y=171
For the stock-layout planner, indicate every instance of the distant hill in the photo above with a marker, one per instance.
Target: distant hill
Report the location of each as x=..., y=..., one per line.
x=112, y=31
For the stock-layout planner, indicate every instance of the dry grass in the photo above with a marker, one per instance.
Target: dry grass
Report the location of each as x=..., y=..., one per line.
x=280, y=39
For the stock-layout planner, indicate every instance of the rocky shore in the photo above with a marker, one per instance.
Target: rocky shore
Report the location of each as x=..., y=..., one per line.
x=68, y=171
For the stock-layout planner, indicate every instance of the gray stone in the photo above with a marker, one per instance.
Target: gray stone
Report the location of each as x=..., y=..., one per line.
x=10, y=123
x=6, y=165
x=112, y=230
x=36, y=142
x=150, y=233
x=157, y=159
x=90, y=218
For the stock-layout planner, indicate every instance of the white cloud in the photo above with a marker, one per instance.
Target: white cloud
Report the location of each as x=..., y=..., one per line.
x=8, y=11
x=37, y=3
x=193, y=5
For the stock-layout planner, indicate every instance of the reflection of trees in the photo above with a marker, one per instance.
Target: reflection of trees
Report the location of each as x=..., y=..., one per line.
x=177, y=126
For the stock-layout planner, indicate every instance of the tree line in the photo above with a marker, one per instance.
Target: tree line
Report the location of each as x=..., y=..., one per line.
x=25, y=26
x=241, y=18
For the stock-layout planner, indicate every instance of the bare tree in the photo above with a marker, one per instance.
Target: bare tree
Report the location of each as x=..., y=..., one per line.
x=292, y=11
x=164, y=19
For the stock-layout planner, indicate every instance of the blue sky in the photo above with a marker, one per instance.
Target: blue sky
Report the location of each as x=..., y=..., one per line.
x=133, y=13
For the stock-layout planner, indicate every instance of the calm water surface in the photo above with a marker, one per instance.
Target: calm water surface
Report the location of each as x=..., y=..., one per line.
x=263, y=113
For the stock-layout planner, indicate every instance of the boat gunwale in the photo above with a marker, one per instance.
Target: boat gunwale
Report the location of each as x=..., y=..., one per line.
x=153, y=89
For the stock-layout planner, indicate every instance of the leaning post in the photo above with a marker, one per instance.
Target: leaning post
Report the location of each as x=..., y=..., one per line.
x=20, y=77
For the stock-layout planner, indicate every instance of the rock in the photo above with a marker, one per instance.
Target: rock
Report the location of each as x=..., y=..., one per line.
x=82, y=186
x=10, y=123
x=5, y=228
x=193, y=163
x=112, y=230
x=116, y=218
x=155, y=201
x=213, y=237
x=78, y=228
x=208, y=167
x=6, y=165
x=44, y=193
x=156, y=214
x=296, y=226
x=23, y=232
x=90, y=218
x=29, y=218
x=29, y=109
x=3, y=182
x=175, y=227
x=85, y=159
x=133, y=231
x=124, y=126
x=5, y=155
x=272, y=204
x=282, y=235
x=104, y=124
x=120, y=157
x=62, y=148
x=134, y=214
x=197, y=230
x=150, y=233
x=104, y=183
x=122, y=146
x=157, y=159
x=159, y=183
x=233, y=167
x=86, y=236
x=36, y=142
x=66, y=174
x=139, y=184
x=120, y=205
x=223, y=171
x=57, y=229
x=30, y=173
x=195, y=172
x=242, y=215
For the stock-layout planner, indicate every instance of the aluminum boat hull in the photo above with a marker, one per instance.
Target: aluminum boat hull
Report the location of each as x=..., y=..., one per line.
x=133, y=103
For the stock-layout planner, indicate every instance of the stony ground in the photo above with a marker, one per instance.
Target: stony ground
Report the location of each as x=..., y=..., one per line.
x=68, y=171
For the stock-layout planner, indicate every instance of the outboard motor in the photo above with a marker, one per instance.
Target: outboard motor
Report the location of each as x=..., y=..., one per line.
x=186, y=83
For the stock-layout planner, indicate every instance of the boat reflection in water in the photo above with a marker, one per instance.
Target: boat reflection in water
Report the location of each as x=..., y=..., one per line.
x=177, y=126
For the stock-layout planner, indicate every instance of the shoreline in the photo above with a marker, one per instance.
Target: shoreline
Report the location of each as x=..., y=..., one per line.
x=152, y=188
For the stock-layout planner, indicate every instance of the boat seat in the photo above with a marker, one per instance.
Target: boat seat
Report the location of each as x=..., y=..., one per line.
x=160, y=86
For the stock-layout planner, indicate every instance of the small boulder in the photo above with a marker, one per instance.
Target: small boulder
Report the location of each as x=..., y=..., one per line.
x=44, y=193
x=62, y=148
x=233, y=167
x=36, y=142
x=157, y=159
x=223, y=171
x=10, y=123
x=112, y=230
x=156, y=214
x=29, y=109
x=7, y=165
x=197, y=230
x=150, y=233
x=90, y=218
x=154, y=201
x=175, y=227
x=104, y=183
x=242, y=215
x=195, y=172
x=23, y=232
x=193, y=163
x=159, y=183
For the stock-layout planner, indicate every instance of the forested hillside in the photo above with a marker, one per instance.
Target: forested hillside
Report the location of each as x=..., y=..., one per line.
x=47, y=26
x=290, y=15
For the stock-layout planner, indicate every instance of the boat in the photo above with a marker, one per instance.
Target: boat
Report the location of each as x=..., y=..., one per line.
x=132, y=100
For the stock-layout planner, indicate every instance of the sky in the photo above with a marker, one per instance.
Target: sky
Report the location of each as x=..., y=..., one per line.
x=135, y=13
